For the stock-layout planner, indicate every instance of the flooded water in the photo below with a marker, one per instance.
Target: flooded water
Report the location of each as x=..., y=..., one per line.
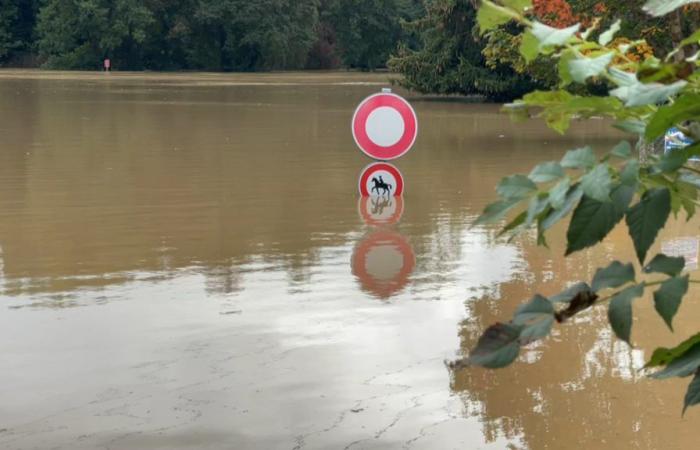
x=185, y=263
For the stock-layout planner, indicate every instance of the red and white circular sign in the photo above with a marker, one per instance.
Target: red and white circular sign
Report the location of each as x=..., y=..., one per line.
x=381, y=180
x=385, y=126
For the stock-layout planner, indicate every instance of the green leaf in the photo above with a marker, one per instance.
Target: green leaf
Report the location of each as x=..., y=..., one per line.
x=686, y=107
x=630, y=174
x=580, y=158
x=672, y=161
x=563, y=67
x=516, y=187
x=622, y=78
x=640, y=94
x=572, y=198
x=537, y=206
x=596, y=184
x=613, y=276
x=662, y=7
x=547, y=172
x=536, y=318
x=570, y=293
x=496, y=211
x=664, y=356
x=490, y=17
x=557, y=196
x=668, y=298
x=529, y=47
x=647, y=218
x=683, y=366
x=620, y=311
x=593, y=220
x=692, y=396
x=515, y=223
x=498, y=346
x=607, y=36
x=518, y=5
x=622, y=150
x=671, y=266
x=632, y=126
x=583, y=68
x=549, y=37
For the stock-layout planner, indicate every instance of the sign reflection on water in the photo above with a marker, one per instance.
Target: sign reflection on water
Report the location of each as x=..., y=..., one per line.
x=383, y=260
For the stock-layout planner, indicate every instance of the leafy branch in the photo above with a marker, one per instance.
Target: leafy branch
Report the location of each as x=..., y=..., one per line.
x=644, y=98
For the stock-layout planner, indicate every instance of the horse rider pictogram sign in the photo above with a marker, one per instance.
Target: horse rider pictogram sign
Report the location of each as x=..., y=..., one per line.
x=385, y=126
x=381, y=180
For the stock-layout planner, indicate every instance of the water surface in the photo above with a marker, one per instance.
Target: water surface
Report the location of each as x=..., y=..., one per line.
x=185, y=263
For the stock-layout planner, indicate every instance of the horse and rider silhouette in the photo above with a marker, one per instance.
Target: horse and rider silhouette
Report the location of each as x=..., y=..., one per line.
x=380, y=185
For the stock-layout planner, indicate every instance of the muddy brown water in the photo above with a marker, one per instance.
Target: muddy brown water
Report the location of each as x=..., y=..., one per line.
x=184, y=263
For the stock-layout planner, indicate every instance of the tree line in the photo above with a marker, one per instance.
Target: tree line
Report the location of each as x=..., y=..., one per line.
x=214, y=35
x=434, y=44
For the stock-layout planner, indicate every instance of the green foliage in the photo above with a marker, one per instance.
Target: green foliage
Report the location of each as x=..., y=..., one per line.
x=448, y=58
x=620, y=311
x=367, y=31
x=668, y=298
x=671, y=266
x=645, y=97
x=664, y=356
x=79, y=34
x=692, y=397
x=661, y=7
x=205, y=34
x=647, y=218
x=498, y=346
x=8, y=17
x=615, y=275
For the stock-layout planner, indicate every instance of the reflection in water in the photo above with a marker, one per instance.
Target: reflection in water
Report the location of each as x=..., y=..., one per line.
x=224, y=297
x=383, y=260
x=380, y=211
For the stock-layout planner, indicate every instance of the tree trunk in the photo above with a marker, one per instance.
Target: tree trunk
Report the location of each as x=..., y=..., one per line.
x=677, y=33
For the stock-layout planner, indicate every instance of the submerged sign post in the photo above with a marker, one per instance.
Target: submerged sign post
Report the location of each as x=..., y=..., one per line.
x=384, y=127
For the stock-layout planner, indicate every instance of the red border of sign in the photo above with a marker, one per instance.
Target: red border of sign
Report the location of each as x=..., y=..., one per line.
x=359, y=121
x=383, y=289
x=370, y=169
x=367, y=218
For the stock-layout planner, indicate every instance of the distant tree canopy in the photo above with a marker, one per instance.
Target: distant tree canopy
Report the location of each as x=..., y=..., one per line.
x=449, y=57
x=434, y=44
x=453, y=58
x=241, y=35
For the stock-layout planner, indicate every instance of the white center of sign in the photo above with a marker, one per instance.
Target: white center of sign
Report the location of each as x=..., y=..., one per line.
x=385, y=126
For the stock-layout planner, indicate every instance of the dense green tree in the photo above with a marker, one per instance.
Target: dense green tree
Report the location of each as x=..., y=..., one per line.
x=265, y=34
x=8, y=18
x=449, y=59
x=77, y=34
x=368, y=30
x=17, y=19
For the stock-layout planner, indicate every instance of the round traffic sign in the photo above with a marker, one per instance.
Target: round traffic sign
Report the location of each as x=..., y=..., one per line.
x=385, y=126
x=382, y=180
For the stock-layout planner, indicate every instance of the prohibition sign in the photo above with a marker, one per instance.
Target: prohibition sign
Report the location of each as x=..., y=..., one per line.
x=381, y=179
x=385, y=126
